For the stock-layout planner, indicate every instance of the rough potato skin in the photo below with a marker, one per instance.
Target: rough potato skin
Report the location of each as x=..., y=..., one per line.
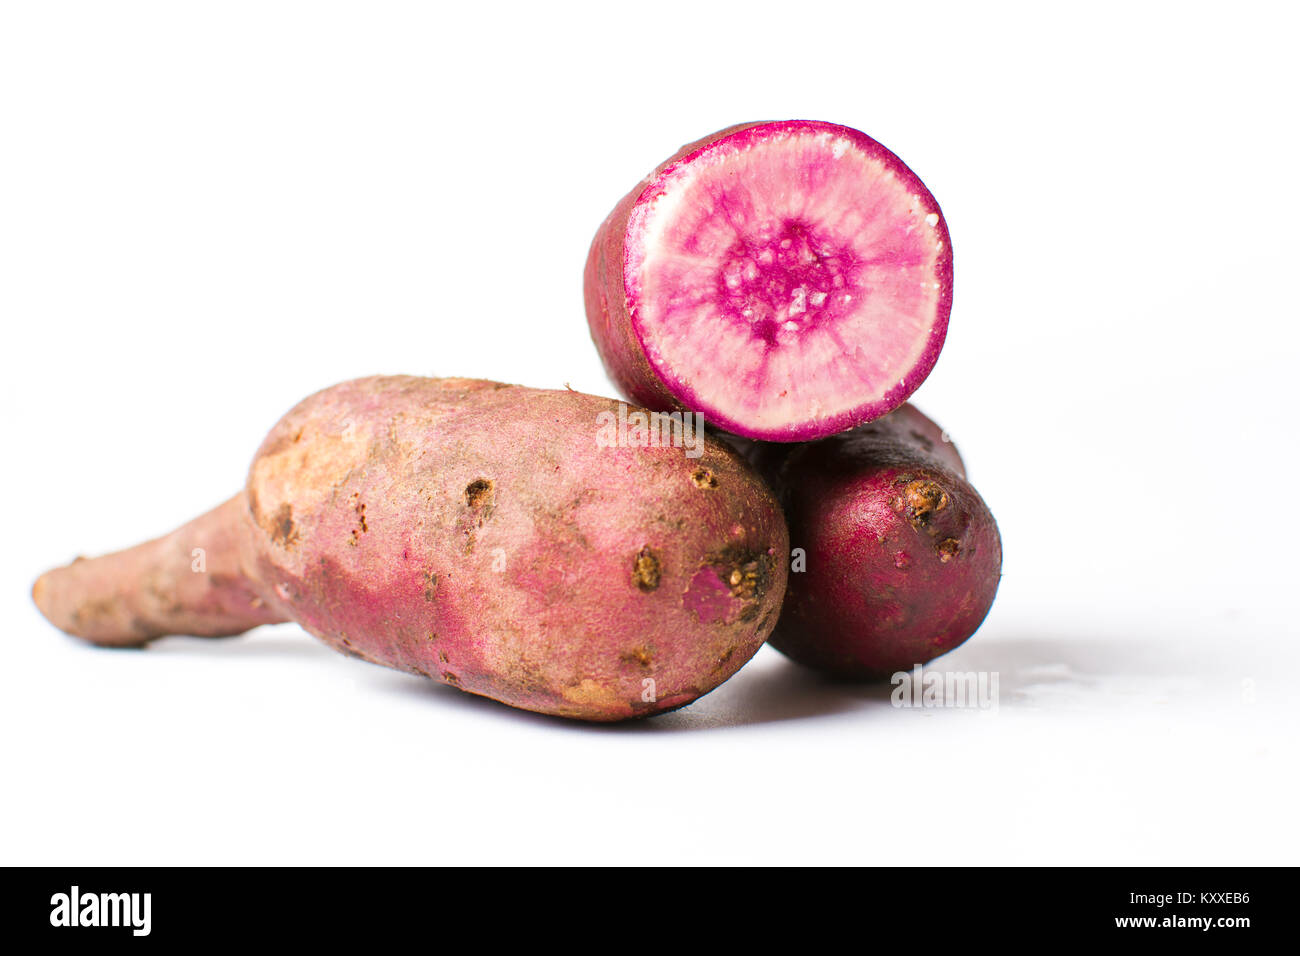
x=475, y=533
x=187, y=582
x=903, y=556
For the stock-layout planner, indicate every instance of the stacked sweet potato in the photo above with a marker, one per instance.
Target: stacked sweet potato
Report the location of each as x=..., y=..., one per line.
x=788, y=283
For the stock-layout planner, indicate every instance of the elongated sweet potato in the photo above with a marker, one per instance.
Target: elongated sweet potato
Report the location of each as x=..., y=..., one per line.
x=902, y=555
x=476, y=533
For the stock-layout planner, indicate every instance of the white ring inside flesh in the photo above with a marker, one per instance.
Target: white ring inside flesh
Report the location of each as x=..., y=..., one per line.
x=790, y=279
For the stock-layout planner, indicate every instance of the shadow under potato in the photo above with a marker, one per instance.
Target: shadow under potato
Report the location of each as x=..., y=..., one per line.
x=769, y=689
x=287, y=642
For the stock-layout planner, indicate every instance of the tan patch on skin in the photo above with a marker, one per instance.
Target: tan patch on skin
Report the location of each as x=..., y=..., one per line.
x=307, y=471
x=646, y=570
x=430, y=586
x=948, y=549
x=521, y=675
x=93, y=612
x=592, y=694
x=282, y=441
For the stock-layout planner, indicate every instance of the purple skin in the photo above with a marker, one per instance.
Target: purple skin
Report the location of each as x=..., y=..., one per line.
x=903, y=556
x=789, y=280
x=474, y=533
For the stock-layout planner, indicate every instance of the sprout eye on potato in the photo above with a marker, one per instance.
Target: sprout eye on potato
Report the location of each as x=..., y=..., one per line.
x=474, y=533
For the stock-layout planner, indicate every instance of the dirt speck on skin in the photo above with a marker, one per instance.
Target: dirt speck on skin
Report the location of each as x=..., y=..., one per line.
x=639, y=655
x=430, y=585
x=480, y=499
x=923, y=499
x=645, y=569
x=948, y=549
x=747, y=573
x=705, y=479
x=346, y=646
x=282, y=529
x=360, y=508
x=479, y=495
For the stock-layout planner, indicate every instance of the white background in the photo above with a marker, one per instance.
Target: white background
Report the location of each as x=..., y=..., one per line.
x=208, y=211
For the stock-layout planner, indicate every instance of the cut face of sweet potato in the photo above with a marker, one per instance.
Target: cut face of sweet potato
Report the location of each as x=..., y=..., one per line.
x=788, y=280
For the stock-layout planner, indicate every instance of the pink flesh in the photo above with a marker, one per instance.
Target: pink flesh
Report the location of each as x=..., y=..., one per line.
x=789, y=280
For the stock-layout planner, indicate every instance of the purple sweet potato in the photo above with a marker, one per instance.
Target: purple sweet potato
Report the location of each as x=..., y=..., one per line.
x=789, y=280
x=902, y=555
x=474, y=533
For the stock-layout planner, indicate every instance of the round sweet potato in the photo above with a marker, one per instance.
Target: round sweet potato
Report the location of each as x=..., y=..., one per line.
x=901, y=557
